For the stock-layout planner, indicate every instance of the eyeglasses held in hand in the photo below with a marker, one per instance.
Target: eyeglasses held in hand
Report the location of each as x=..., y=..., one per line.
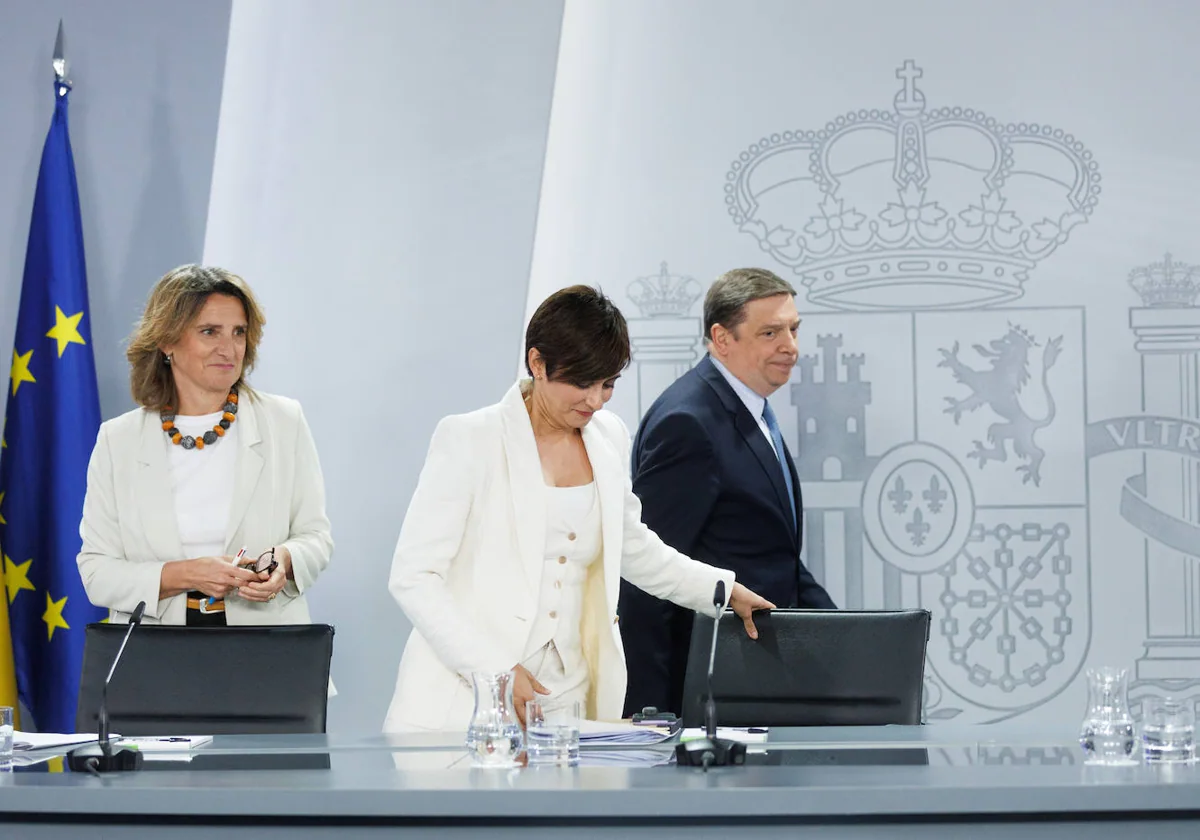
x=265, y=563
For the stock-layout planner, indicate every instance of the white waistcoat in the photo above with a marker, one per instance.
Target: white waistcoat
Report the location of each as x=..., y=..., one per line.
x=573, y=543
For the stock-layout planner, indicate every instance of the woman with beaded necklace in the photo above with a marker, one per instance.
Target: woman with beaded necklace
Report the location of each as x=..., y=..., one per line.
x=202, y=469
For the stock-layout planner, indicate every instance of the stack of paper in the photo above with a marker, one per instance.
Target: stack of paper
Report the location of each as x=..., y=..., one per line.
x=599, y=733
x=176, y=743
x=175, y=748
x=745, y=734
x=31, y=741
x=35, y=747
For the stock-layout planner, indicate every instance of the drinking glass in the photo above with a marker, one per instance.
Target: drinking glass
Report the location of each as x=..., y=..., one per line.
x=1168, y=730
x=552, y=732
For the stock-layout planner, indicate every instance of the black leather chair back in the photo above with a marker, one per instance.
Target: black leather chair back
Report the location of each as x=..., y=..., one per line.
x=207, y=680
x=810, y=668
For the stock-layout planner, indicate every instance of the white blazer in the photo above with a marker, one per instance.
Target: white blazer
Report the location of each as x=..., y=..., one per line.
x=468, y=564
x=129, y=529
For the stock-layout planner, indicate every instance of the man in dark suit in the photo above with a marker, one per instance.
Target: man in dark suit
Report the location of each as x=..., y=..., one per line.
x=716, y=480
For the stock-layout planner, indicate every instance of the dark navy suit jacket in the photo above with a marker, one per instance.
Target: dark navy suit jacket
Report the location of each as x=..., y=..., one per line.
x=711, y=487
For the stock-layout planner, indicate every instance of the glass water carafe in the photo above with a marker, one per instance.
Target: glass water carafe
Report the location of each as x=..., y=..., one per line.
x=494, y=738
x=1107, y=731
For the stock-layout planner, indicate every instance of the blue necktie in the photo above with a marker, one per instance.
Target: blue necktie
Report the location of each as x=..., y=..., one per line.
x=777, y=439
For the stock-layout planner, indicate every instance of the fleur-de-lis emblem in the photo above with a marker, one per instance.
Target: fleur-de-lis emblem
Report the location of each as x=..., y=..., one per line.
x=918, y=528
x=899, y=495
x=935, y=496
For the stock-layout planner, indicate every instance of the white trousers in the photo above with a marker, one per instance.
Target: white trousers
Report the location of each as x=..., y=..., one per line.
x=546, y=664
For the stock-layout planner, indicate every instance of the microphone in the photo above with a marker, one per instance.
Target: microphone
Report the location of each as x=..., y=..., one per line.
x=711, y=751
x=100, y=757
x=710, y=707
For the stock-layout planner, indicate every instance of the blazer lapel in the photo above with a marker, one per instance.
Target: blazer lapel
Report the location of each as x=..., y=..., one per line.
x=249, y=468
x=526, y=485
x=610, y=488
x=152, y=487
x=748, y=427
x=767, y=459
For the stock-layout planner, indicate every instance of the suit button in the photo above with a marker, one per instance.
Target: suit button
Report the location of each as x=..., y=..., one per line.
x=558, y=584
x=554, y=613
x=571, y=536
x=562, y=560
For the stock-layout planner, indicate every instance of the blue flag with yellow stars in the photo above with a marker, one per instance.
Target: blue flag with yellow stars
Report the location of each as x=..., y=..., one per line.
x=51, y=421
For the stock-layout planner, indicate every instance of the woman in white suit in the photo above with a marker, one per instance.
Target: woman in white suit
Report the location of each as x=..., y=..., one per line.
x=202, y=469
x=521, y=527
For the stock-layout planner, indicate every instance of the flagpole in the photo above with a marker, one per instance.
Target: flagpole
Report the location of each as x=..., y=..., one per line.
x=52, y=417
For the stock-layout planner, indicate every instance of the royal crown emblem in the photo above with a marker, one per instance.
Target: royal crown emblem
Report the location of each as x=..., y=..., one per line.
x=664, y=295
x=1167, y=283
x=911, y=208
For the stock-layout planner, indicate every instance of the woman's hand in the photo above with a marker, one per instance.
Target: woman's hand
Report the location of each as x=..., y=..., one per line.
x=214, y=576
x=744, y=602
x=525, y=688
x=264, y=587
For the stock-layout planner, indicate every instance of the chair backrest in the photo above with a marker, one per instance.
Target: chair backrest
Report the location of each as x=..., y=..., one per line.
x=810, y=668
x=207, y=680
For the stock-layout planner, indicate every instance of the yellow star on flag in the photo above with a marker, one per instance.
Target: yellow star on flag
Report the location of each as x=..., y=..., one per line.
x=53, y=615
x=16, y=577
x=3, y=521
x=20, y=370
x=65, y=330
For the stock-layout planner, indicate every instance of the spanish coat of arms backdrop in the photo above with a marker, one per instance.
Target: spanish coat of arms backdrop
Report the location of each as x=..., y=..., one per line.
x=996, y=411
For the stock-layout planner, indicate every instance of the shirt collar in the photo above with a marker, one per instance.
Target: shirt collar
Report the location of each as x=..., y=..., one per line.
x=754, y=402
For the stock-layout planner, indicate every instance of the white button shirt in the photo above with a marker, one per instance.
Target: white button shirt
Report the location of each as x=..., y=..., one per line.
x=202, y=485
x=754, y=403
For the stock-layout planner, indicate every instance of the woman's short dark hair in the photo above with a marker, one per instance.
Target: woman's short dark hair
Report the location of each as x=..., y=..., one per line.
x=581, y=335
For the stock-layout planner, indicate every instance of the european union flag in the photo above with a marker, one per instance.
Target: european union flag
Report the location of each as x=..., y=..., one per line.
x=51, y=421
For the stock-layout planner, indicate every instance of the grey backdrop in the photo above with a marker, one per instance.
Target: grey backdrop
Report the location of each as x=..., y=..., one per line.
x=376, y=180
x=377, y=184
x=143, y=117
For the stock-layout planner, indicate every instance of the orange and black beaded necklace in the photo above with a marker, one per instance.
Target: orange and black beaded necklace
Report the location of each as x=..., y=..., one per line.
x=208, y=438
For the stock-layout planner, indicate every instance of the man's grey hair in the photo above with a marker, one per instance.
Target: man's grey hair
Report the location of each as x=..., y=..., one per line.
x=725, y=303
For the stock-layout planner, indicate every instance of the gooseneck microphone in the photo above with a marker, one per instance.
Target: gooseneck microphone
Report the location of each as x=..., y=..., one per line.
x=711, y=751
x=710, y=707
x=100, y=757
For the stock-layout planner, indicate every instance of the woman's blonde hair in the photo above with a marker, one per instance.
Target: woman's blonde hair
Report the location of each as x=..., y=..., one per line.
x=174, y=303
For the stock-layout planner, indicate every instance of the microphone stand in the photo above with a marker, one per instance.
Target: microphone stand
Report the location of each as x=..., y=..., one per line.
x=101, y=757
x=711, y=751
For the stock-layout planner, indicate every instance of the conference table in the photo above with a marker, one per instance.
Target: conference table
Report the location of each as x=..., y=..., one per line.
x=1002, y=780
